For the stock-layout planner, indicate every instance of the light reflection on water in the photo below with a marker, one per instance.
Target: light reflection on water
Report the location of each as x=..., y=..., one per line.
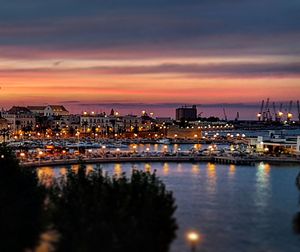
x=211, y=178
x=195, y=169
x=118, y=169
x=263, y=191
x=46, y=175
x=232, y=169
x=235, y=208
x=166, y=168
x=179, y=168
x=148, y=168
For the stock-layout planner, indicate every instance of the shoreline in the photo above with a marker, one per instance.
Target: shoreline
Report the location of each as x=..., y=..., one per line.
x=212, y=159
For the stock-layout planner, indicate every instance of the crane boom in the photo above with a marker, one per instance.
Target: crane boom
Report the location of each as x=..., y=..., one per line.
x=275, y=113
x=259, y=114
x=225, y=116
x=280, y=113
x=266, y=113
x=290, y=107
x=262, y=106
x=290, y=115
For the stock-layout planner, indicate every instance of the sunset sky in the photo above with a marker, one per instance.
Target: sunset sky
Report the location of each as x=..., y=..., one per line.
x=156, y=54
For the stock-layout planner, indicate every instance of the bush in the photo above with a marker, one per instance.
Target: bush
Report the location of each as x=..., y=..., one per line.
x=93, y=212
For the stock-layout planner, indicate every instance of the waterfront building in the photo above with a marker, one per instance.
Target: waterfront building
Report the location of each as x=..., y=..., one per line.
x=55, y=110
x=101, y=123
x=65, y=121
x=19, y=118
x=186, y=113
x=3, y=123
x=177, y=132
x=131, y=122
x=275, y=146
x=165, y=120
x=37, y=110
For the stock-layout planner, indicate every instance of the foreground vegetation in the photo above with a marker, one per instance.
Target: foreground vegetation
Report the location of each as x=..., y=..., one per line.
x=87, y=211
x=21, y=204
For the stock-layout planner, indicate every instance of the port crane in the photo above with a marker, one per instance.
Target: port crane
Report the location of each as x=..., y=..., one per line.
x=280, y=113
x=266, y=113
x=289, y=112
x=237, y=116
x=276, y=115
x=298, y=109
x=225, y=115
x=259, y=114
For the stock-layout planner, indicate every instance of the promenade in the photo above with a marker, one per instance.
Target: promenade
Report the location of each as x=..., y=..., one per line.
x=191, y=158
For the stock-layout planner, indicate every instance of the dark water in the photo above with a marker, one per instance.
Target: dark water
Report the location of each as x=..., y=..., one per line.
x=234, y=208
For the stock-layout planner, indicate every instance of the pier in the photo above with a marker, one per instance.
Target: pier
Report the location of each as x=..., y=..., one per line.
x=233, y=160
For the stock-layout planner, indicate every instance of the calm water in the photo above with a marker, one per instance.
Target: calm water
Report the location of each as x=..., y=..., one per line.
x=235, y=208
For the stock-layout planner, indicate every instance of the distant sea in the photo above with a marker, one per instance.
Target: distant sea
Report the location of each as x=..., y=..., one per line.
x=246, y=112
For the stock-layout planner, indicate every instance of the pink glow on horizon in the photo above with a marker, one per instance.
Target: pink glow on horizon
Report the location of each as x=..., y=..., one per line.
x=48, y=78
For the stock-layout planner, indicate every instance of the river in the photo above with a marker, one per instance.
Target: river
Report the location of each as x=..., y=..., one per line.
x=234, y=208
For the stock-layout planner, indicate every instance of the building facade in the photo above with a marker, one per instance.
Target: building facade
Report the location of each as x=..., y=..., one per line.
x=186, y=113
x=19, y=118
x=3, y=123
x=55, y=110
x=37, y=110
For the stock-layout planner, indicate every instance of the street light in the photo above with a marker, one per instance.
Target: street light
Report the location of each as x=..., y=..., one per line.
x=118, y=152
x=78, y=135
x=22, y=155
x=40, y=154
x=134, y=148
x=193, y=239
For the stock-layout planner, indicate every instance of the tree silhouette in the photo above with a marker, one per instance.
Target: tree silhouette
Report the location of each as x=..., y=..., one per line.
x=296, y=219
x=89, y=211
x=93, y=212
x=21, y=204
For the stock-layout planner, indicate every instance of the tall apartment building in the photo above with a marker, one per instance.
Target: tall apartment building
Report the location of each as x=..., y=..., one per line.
x=186, y=113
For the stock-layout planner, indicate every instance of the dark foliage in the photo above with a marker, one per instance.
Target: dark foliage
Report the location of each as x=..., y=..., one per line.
x=298, y=181
x=296, y=223
x=296, y=220
x=93, y=212
x=90, y=212
x=21, y=202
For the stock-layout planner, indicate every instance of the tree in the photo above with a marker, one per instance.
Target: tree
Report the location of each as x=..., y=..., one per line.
x=72, y=131
x=4, y=133
x=21, y=204
x=94, y=131
x=296, y=220
x=93, y=212
x=18, y=123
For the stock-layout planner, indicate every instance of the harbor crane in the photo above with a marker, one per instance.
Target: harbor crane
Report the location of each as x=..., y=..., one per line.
x=298, y=110
x=280, y=113
x=237, y=116
x=266, y=113
x=276, y=115
x=289, y=114
x=259, y=114
x=225, y=116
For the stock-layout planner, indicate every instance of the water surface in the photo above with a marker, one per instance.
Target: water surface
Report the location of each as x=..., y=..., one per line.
x=235, y=208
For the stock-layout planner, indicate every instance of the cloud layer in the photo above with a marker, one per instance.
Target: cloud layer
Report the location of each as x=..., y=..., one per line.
x=150, y=51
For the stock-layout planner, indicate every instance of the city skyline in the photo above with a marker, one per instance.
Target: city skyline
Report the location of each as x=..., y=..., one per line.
x=154, y=52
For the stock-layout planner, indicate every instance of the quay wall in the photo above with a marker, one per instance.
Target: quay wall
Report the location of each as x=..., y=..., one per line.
x=221, y=160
